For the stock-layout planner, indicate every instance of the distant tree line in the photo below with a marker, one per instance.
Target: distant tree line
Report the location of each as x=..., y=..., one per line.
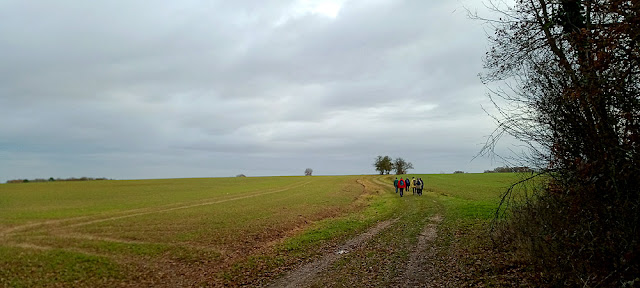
x=384, y=165
x=510, y=170
x=39, y=180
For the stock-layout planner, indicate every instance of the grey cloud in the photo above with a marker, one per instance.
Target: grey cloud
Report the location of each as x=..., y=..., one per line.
x=193, y=84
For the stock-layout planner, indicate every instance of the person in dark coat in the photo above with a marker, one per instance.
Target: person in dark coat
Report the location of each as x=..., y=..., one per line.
x=395, y=184
x=407, y=184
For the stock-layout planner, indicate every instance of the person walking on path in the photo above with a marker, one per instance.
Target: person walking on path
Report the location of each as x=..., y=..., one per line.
x=407, y=184
x=413, y=182
x=401, y=185
x=419, y=185
x=395, y=184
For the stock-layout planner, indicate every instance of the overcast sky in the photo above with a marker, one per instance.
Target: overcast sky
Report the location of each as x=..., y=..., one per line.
x=167, y=89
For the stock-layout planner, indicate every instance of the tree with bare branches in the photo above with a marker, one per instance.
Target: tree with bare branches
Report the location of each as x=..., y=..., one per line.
x=570, y=74
x=401, y=166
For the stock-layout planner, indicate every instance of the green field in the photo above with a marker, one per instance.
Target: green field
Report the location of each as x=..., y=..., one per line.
x=219, y=231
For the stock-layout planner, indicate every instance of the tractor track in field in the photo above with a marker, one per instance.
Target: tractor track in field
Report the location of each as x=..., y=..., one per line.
x=302, y=275
x=380, y=182
x=188, y=206
x=88, y=220
x=418, y=270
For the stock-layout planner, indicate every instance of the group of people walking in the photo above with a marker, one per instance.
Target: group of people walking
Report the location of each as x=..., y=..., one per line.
x=402, y=184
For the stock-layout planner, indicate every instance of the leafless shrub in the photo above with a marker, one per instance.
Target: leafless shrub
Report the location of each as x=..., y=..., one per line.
x=571, y=94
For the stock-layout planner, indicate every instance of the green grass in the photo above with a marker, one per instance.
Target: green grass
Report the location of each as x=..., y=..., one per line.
x=379, y=208
x=32, y=268
x=185, y=220
x=376, y=205
x=467, y=203
x=22, y=203
x=239, y=229
x=468, y=196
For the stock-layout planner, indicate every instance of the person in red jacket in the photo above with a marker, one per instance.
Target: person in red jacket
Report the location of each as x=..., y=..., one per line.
x=401, y=185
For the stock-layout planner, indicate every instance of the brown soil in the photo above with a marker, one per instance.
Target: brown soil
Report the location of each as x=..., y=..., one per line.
x=418, y=270
x=300, y=276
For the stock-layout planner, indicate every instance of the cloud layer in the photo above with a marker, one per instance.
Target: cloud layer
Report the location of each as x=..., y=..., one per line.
x=133, y=89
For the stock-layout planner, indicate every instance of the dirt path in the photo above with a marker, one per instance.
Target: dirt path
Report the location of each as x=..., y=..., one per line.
x=418, y=271
x=423, y=265
x=302, y=275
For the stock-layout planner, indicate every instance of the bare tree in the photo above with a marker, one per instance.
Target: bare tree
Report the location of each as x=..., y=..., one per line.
x=571, y=93
x=308, y=172
x=401, y=166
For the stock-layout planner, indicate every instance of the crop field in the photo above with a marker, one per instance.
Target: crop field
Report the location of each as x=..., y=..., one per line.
x=223, y=231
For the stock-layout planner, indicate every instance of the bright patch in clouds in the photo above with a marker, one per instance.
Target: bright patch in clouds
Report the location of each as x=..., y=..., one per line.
x=324, y=8
x=302, y=8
